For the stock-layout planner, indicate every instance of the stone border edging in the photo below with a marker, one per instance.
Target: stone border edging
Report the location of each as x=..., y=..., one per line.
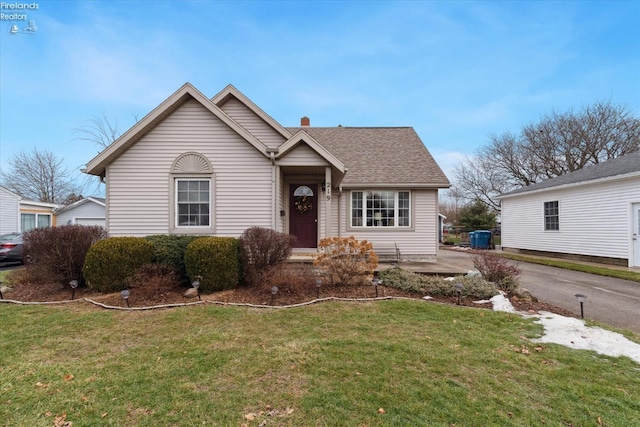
x=232, y=304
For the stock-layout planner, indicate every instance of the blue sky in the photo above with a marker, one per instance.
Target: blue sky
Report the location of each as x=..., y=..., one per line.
x=455, y=71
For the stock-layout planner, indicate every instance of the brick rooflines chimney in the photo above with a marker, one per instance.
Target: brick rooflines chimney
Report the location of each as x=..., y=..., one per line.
x=305, y=121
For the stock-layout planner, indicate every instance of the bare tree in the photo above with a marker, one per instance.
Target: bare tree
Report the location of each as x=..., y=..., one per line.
x=479, y=179
x=559, y=143
x=450, y=205
x=41, y=176
x=99, y=130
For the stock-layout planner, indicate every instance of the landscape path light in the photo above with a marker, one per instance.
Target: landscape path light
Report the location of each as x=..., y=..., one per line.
x=1, y=297
x=318, y=285
x=459, y=287
x=376, y=282
x=125, y=296
x=196, y=286
x=74, y=285
x=581, y=299
x=274, y=291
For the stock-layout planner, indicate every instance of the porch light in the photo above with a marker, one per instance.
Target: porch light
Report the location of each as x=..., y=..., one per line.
x=318, y=285
x=375, y=282
x=125, y=296
x=196, y=286
x=74, y=285
x=274, y=291
x=459, y=288
x=581, y=300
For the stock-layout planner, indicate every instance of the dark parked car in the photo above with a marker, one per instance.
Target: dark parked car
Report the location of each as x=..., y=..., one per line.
x=11, y=247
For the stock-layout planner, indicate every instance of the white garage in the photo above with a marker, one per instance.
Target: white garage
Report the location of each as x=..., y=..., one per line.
x=88, y=211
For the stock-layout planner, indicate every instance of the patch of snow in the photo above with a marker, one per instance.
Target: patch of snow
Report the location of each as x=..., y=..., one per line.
x=573, y=333
x=502, y=303
x=427, y=297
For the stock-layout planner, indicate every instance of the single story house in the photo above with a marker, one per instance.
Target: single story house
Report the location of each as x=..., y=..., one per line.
x=87, y=211
x=590, y=214
x=9, y=211
x=217, y=166
x=36, y=215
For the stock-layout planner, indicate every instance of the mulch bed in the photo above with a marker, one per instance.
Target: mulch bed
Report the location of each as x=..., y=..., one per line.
x=154, y=294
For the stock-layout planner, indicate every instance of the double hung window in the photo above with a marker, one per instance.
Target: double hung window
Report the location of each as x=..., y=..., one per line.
x=193, y=202
x=551, y=216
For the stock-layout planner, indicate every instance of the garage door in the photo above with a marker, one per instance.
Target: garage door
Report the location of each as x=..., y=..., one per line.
x=90, y=221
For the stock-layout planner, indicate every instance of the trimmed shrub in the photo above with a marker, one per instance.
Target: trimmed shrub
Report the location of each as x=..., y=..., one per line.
x=262, y=249
x=497, y=270
x=474, y=286
x=169, y=250
x=345, y=260
x=152, y=282
x=214, y=262
x=58, y=253
x=110, y=262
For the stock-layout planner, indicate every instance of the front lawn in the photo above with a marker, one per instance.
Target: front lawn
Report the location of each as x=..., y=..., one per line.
x=388, y=363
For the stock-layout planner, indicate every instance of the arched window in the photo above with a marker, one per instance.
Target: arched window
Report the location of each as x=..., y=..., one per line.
x=192, y=192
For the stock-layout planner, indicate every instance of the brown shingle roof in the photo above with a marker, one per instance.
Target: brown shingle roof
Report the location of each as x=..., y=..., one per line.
x=375, y=155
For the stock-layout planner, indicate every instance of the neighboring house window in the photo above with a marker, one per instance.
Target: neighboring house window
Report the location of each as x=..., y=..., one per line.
x=380, y=209
x=194, y=204
x=34, y=220
x=551, y=216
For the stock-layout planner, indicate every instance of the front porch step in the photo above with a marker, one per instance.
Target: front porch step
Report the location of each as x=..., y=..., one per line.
x=306, y=258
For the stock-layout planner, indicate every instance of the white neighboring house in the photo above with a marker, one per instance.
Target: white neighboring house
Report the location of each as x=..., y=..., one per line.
x=589, y=214
x=217, y=166
x=9, y=211
x=36, y=215
x=88, y=211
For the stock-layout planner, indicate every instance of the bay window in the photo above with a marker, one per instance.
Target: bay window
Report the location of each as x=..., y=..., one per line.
x=380, y=209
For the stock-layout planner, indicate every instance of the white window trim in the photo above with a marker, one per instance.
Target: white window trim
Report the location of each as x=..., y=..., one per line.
x=395, y=213
x=195, y=167
x=177, y=202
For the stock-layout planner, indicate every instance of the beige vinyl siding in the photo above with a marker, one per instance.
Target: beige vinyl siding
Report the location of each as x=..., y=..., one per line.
x=282, y=189
x=138, y=181
x=251, y=122
x=302, y=155
x=594, y=219
x=417, y=242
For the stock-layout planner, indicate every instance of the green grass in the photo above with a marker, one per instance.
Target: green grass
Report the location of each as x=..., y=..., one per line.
x=3, y=277
x=568, y=265
x=333, y=364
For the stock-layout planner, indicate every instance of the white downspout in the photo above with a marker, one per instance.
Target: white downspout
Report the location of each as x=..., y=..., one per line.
x=274, y=197
x=340, y=211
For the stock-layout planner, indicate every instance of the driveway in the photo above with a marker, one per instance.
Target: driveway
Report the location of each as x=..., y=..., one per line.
x=612, y=301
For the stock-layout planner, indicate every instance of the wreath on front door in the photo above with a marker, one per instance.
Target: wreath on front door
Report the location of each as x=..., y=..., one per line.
x=303, y=204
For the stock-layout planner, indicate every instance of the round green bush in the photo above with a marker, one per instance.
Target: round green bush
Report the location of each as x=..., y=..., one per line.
x=169, y=250
x=110, y=262
x=214, y=262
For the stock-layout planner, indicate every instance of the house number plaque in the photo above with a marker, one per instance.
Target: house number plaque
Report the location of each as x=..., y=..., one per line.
x=328, y=190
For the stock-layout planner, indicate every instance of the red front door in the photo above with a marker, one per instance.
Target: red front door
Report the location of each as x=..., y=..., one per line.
x=303, y=215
